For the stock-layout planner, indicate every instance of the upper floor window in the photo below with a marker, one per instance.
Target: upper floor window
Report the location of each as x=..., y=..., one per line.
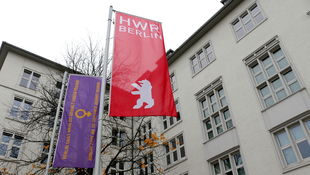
x=30, y=79
x=118, y=137
x=145, y=131
x=171, y=121
x=173, y=82
x=146, y=164
x=214, y=110
x=229, y=164
x=10, y=145
x=273, y=75
x=293, y=142
x=248, y=20
x=21, y=108
x=202, y=58
x=175, y=149
x=44, y=154
x=117, y=168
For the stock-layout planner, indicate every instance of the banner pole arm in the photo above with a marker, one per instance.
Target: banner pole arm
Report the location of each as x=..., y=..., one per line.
x=97, y=170
x=51, y=146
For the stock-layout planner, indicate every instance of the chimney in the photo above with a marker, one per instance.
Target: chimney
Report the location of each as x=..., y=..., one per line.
x=224, y=2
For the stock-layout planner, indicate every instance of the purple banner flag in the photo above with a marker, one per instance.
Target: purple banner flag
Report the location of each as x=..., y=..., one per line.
x=76, y=144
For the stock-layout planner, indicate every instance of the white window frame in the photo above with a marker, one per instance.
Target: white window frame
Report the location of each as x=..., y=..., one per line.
x=145, y=132
x=31, y=80
x=172, y=121
x=209, y=56
x=173, y=81
x=174, y=147
x=233, y=167
x=10, y=144
x=292, y=143
x=250, y=20
x=269, y=97
x=120, y=137
x=19, y=110
x=215, y=122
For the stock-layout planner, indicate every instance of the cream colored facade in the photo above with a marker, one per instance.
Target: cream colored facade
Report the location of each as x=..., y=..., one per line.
x=268, y=135
x=14, y=141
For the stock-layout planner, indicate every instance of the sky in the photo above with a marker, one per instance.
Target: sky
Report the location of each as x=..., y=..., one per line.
x=47, y=27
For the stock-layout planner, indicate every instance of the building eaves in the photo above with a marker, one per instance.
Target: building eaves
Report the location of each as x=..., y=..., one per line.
x=7, y=47
x=207, y=26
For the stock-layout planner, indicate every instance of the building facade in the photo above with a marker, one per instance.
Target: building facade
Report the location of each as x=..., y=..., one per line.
x=241, y=85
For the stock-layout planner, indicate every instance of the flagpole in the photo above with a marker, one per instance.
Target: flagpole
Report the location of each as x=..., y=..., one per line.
x=51, y=146
x=97, y=170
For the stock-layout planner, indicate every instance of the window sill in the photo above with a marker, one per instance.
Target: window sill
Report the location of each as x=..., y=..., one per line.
x=175, y=163
x=265, y=109
x=296, y=166
x=9, y=159
x=172, y=126
x=206, y=141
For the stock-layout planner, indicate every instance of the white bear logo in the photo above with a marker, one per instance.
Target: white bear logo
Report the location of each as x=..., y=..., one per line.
x=144, y=89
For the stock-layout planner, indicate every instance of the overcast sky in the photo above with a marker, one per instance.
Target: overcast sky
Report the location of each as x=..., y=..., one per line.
x=46, y=27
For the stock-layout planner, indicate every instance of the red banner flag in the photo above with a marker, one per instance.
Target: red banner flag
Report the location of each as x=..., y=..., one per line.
x=140, y=77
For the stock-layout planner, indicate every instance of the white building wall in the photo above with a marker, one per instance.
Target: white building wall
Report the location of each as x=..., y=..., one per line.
x=287, y=20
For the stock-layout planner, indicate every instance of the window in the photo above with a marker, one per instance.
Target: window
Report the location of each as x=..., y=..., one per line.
x=273, y=76
x=202, y=58
x=117, y=168
x=145, y=132
x=21, y=108
x=293, y=142
x=173, y=82
x=10, y=145
x=248, y=21
x=230, y=164
x=214, y=110
x=118, y=137
x=171, y=121
x=175, y=149
x=146, y=165
x=30, y=79
x=44, y=154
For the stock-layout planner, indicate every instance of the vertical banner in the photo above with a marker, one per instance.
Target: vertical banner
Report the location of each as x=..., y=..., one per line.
x=140, y=77
x=77, y=139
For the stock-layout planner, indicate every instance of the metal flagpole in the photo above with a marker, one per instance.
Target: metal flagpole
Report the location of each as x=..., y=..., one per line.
x=97, y=170
x=49, y=158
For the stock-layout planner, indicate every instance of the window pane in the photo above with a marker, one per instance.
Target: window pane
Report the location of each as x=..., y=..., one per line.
x=269, y=101
x=229, y=124
x=171, y=119
x=238, y=160
x=6, y=137
x=265, y=91
x=14, y=152
x=304, y=149
x=255, y=69
x=173, y=143
x=23, y=82
x=208, y=124
x=238, y=29
x=308, y=124
x=226, y=114
x=297, y=132
x=210, y=134
x=168, y=159
x=241, y=171
x=223, y=102
x=259, y=18
x=289, y=155
x=3, y=149
x=276, y=84
x=254, y=9
x=214, y=107
x=259, y=78
x=226, y=163
x=294, y=87
x=167, y=148
x=266, y=61
x=175, y=156
x=182, y=150
x=180, y=138
x=216, y=168
x=18, y=140
x=289, y=76
x=282, y=138
x=217, y=120
x=165, y=125
x=281, y=94
x=271, y=71
x=278, y=54
x=282, y=63
x=219, y=129
x=203, y=59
